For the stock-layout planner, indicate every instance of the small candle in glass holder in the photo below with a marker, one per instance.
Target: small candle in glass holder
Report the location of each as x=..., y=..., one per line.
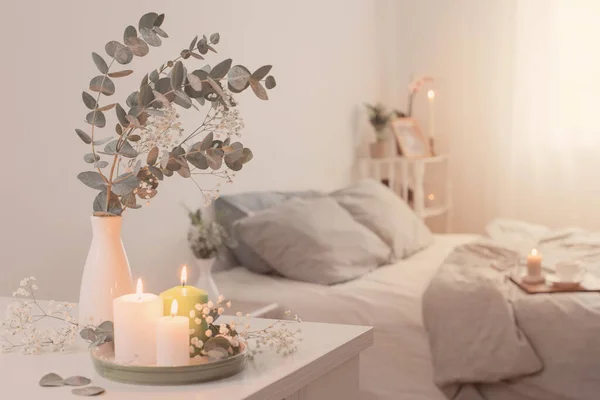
x=534, y=263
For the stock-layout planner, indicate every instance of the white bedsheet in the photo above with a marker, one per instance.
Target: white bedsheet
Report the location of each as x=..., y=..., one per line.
x=398, y=365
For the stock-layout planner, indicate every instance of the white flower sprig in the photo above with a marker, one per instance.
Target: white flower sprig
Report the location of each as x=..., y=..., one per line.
x=20, y=330
x=278, y=336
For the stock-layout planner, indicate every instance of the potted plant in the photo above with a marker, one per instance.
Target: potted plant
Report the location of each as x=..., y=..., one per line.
x=206, y=240
x=379, y=118
x=148, y=144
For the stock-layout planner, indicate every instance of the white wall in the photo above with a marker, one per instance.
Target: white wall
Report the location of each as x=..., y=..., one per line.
x=467, y=45
x=327, y=61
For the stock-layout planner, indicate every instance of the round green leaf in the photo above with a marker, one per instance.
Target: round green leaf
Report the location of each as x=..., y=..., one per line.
x=77, y=381
x=83, y=136
x=91, y=158
x=89, y=100
x=100, y=63
x=238, y=78
x=270, y=82
x=129, y=34
x=51, y=379
x=96, y=118
x=138, y=47
x=88, y=391
x=177, y=75
x=101, y=164
x=92, y=179
x=147, y=20
x=214, y=38
x=102, y=84
x=150, y=37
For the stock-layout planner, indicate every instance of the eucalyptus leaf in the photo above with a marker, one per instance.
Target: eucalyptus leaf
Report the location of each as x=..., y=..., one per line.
x=128, y=151
x=133, y=121
x=238, y=78
x=145, y=96
x=125, y=184
x=261, y=72
x=138, y=47
x=121, y=74
x=88, y=334
x=129, y=201
x=164, y=86
x=154, y=76
x=214, y=158
x=207, y=142
x=152, y=156
x=130, y=33
x=92, y=179
x=156, y=172
x=150, y=37
x=91, y=158
x=197, y=159
x=195, y=82
x=134, y=138
x=185, y=54
x=124, y=55
x=106, y=327
x=83, y=136
x=51, y=379
x=193, y=44
x=177, y=75
x=96, y=118
x=182, y=99
x=246, y=155
x=106, y=107
x=100, y=63
x=202, y=46
x=216, y=87
x=258, y=89
x=270, y=82
x=158, y=21
x=114, y=205
x=214, y=38
x=77, y=381
x=102, y=141
x=221, y=69
x=111, y=147
x=217, y=342
x=88, y=391
x=197, y=56
x=89, y=100
x=147, y=20
x=161, y=98
x=121, y=115
x=184, y=171
x=132, y=99
x=160, y=32
x=101, y=164
x=102, y=84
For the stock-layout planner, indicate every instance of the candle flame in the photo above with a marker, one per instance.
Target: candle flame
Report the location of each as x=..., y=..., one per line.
x=174, y=308
x=430, y=94
x=184, y=275
x=431, y=196
x=534, y=252
x=139, y=289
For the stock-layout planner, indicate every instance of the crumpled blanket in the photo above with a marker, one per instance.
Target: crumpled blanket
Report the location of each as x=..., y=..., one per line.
x=491, y=341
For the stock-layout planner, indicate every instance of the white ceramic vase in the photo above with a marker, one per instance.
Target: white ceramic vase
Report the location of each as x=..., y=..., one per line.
x=205, y=279
x=106, y=274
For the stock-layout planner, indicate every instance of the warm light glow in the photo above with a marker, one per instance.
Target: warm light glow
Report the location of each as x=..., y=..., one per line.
x=174, y=307
x=184, y=275
x=534, y=252
x=139, y=289
x=430, y=95
x=431, y=196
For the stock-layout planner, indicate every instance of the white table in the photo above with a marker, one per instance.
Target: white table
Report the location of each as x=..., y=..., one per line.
x=325, y=366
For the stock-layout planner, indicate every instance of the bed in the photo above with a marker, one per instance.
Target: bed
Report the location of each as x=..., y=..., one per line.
x=398, y=366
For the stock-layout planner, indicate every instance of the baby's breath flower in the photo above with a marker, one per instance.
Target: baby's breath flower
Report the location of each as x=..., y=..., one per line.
x=208, y=333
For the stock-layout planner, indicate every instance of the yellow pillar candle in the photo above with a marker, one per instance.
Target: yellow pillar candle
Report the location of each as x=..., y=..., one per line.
x=187, y=297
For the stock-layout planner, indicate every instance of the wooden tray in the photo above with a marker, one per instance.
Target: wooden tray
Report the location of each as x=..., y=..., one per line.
x=104, y=364
x=589, y=284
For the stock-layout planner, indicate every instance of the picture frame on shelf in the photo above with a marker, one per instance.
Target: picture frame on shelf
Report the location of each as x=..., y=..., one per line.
x=411, y=141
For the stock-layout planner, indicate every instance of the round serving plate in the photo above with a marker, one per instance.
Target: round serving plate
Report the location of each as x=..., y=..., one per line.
x=103, y=360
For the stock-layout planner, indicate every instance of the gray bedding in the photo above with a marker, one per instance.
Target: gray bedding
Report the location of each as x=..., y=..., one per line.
x=491, y=341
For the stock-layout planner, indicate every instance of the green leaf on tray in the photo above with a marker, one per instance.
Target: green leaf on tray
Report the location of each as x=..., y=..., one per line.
x=51, y=380
x=88, y=391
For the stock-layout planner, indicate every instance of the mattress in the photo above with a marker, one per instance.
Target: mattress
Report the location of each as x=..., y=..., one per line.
x=398, y=365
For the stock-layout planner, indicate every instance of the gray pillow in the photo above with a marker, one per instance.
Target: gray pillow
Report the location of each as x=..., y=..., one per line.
x=230, y=208
x=313, y=240
x=382, y=211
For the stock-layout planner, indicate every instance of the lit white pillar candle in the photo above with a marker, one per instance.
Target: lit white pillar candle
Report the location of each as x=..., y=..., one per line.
x=173, y=339
x=534, y=263
x=135, y=317
x=431, y=97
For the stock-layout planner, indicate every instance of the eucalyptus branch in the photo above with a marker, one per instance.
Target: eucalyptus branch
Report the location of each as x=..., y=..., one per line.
x=94, y=116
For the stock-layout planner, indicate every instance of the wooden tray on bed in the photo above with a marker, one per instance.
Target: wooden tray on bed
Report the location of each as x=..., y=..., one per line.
x=589, y=284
